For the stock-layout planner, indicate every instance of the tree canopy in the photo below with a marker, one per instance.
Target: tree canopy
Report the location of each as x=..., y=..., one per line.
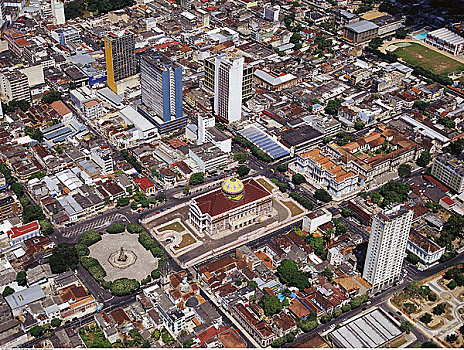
x=51, y=97
x=323, y=195
x=63, y=258
x=289, y=274
x=196, y=179
x=270, y=304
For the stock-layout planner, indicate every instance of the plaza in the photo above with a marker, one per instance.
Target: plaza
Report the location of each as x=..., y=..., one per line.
x=141, y=264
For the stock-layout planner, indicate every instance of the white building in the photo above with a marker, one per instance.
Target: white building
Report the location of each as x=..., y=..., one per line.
x=426, y=250
x=207, y=132
x=446, y=40
x=93, y=109
x=271, y=13
x=58, y=12
x=228, y=78
x=146, y=130
x=15, y=86
x=387, y=246
x=315, y=219
x=103, y=158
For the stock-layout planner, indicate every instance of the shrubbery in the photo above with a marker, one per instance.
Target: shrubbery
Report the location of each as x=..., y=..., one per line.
x=134, y=228
x=116, y=228
x=88, y=238
x=124, y=286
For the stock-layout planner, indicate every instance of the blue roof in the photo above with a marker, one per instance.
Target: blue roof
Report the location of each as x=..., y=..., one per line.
x=255, y=134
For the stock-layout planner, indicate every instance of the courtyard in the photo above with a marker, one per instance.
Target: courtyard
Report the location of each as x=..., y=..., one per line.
x=139, y=268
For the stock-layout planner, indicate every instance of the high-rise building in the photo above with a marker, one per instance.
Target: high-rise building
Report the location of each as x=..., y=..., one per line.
x=120, y=58
x=247, y=81
x=161, y=91
x=228, y=87
x=15, y=86
x=449, y=170
x=271, y=13
x=387, y=246
x=58, y=12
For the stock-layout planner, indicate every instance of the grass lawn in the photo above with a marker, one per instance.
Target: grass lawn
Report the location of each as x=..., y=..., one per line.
x=187, y=239
x=266, y=184
x=294, y=209
x=175, y=226
x=93, y=337
x=426, y=58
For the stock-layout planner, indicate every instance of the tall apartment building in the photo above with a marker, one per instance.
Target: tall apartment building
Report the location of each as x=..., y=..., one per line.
x=15, y=86
x=271, y=13
x=247, y=81
x=387, y=246
x=161, y=91
x=450, y=171
x=57, y=8
x=120, y=58
x=228, y=87
x=103, y=158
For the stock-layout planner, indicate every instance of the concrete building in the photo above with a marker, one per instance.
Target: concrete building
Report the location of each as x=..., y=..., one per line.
x=210, y=73
x=58, y=12
x=313, y=220
x=102, y=157
x=228, y=88
x=234, y=206
x=161, y=90
x=387, y=246
x=146, y=129
x=426, y=250
x=207, y=132
x=361, y=31
x=120, y=58
x=446, y=40
x=271, y=13
x=450, y=171
x=208, y=157
x=93, y=109
x=15, y=86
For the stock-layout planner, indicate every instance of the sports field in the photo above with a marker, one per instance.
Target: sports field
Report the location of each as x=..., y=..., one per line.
x=426, y=58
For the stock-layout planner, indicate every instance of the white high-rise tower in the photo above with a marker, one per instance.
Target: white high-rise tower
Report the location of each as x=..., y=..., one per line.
x=228, y=78
x=387, y=246
x=58, y=12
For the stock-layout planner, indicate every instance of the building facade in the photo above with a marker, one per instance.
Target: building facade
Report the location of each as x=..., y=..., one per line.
x=387, y=246
x=446, y=40
x=235, y=206
x=161, y=90
x=450, y=171
x=15, y=86
x=228, y=88
x=120, y=58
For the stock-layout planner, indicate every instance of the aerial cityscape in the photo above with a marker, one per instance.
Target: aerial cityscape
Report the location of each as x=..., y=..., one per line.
x=232, y=174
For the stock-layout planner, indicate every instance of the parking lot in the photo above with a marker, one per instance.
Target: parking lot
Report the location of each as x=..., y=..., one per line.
x=99, y=223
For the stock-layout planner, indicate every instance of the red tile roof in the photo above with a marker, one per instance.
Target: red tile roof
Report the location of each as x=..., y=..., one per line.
x=144, y=183
x=216, y=203
x=437, y=183
x=18, y=231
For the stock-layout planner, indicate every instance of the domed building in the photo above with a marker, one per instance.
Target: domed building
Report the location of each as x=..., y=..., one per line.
x=233, y=206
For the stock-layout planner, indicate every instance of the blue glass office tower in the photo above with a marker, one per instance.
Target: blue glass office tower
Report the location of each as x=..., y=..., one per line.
x=161, y=91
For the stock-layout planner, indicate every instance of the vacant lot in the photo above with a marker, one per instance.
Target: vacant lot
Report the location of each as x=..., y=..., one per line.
x=426, y=58
x=294, y=209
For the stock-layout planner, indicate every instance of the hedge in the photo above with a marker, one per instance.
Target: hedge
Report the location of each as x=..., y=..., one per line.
x=88, y=238
x=134, y=228
x=116, y=228
x=124, y=286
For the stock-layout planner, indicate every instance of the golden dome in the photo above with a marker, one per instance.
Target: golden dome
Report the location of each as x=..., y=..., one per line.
x=233, y=188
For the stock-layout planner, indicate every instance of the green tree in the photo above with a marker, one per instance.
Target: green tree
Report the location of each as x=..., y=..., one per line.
x=421, y=105
x=196, y=179
x=337, y=312
x=401, y=33
x=21, y=278
x=359, y=124
x=122, y=202
x=282, y=168
x=290, y=275
x=333, y=106
x=404, y=170
x=134, y=228
x=322, y=195
x=134, y=205
x=63, y=258
x=186, y=190
x=116, y=228
x=376, y=43
x=124, y=286
x=451, y=338
x=426, y=318
x=36, y=331
x=35, y=134
x=7, y=291
x=412, y=258
x=298, y=179
x=156, y=334
x=17, y=189
x=346, y=213
x=327, y=273
x=407, y=327
x=446, y=122
x=243, y=170
x=439, y=309
x=51, y=97
x=252, y=284
x=424, y=159
x=270, y=304
x=89, y=237
x=326, y=318
x=432, y=297
x=146, y=344
x=56, y=322
x=32, y=213
x=241, y=157
x=187, y=343
x=45, y=227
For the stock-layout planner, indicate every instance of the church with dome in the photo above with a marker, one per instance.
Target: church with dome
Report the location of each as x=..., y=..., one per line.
x=235, y=205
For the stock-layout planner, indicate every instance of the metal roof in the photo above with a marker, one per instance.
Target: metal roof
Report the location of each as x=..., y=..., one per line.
x=362, y=26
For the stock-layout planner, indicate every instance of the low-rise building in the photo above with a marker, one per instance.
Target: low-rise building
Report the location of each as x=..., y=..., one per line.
x=426, y=250
x=449, y=170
